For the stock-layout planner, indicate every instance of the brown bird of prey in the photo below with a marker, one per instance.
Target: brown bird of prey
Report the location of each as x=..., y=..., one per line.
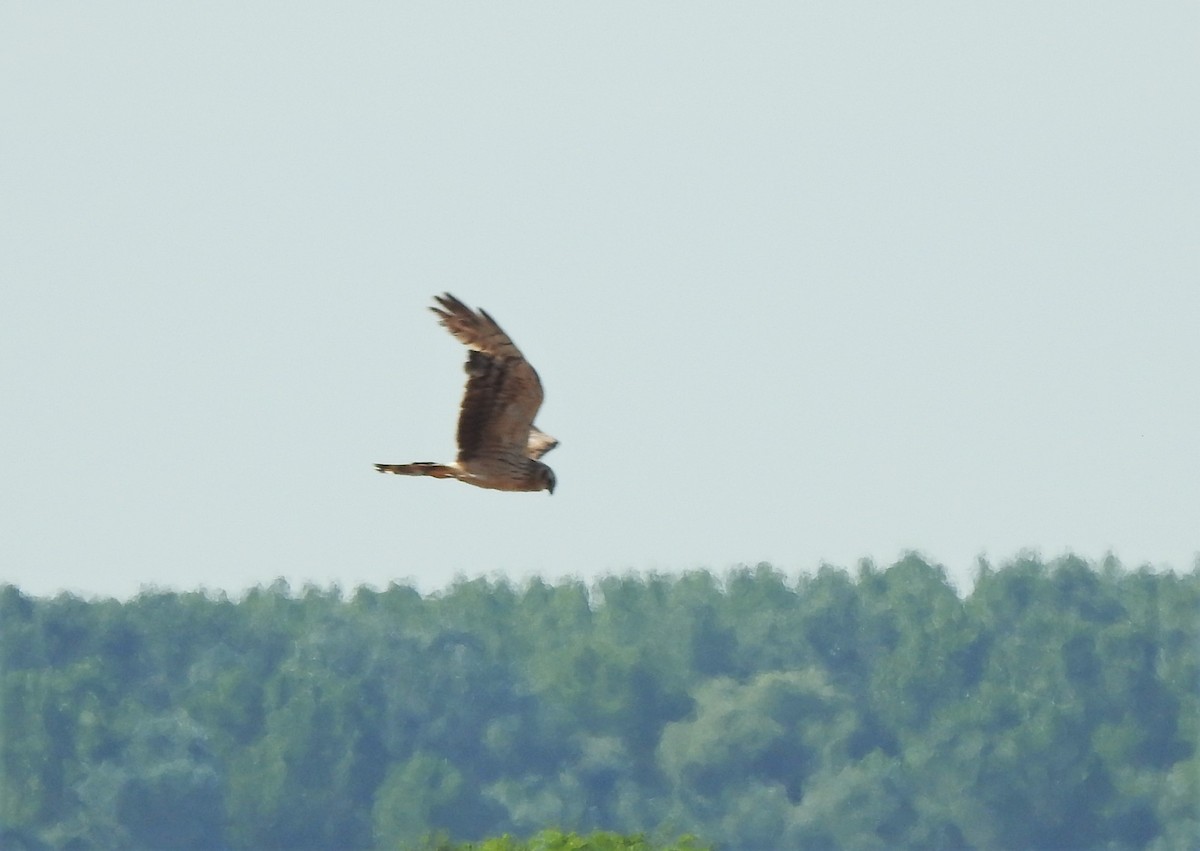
x=498, y=444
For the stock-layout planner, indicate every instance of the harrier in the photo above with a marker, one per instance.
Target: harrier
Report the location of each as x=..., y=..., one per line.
x=498, y=444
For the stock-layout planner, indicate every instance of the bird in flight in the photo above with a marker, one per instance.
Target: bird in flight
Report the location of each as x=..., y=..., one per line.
x=499, y=447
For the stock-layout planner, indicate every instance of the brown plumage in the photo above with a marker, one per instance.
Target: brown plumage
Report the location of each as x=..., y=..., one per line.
x=498, y=444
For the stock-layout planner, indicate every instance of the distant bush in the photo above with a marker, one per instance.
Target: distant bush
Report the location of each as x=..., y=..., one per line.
x=555, y=840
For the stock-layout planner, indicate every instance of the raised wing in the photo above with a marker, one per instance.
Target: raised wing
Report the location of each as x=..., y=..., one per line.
x=503, y=391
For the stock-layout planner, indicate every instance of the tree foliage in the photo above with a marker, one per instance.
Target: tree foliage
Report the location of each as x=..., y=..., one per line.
x=1055, y=706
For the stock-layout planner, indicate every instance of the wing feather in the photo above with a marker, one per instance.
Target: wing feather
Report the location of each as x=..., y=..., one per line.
x=503, y=392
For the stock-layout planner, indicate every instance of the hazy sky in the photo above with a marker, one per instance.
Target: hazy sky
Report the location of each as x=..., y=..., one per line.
x=804, y=282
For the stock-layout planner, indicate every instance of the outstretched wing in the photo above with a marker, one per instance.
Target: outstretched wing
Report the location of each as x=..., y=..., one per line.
x=503, y=391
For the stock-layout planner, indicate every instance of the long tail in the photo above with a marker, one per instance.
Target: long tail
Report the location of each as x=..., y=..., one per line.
x=419, y=468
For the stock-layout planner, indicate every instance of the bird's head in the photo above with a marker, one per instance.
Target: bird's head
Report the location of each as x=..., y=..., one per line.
x=544, y=477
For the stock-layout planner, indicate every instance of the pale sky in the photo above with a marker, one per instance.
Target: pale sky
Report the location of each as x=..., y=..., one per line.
x=805, y=283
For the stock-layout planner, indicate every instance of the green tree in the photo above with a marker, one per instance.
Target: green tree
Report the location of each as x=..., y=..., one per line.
x=417, y=797
x=914, y=632
x=161, y=790
x=752, y=749
x=1053, y=706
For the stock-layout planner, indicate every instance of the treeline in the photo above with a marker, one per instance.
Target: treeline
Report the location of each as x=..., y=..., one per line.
x=1053, y=707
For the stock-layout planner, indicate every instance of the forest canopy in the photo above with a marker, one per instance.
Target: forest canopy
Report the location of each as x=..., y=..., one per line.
x=1054, y=706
